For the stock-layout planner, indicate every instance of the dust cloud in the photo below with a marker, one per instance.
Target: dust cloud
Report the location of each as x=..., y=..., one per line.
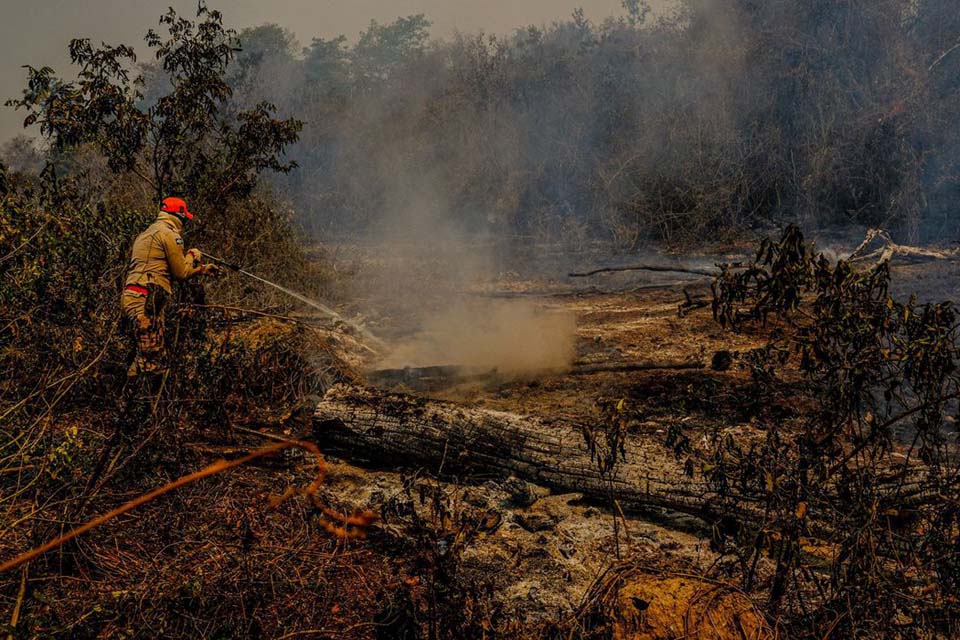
x=426, y=269
x=512, y=336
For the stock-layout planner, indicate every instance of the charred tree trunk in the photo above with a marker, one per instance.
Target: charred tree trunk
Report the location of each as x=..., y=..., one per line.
x=452, y=440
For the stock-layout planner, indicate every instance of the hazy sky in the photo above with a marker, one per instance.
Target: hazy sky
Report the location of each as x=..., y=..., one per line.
x=36, y=32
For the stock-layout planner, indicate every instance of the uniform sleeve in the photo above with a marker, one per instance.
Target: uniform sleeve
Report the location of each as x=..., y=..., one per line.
x=180, y=267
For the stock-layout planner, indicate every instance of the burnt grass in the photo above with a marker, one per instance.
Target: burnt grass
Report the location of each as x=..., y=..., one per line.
x=219, y=559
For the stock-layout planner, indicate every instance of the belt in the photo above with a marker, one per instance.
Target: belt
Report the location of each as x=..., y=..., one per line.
x=135, y=288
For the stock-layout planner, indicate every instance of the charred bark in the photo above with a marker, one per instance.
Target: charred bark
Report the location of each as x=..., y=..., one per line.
x=434, y=378
x=452, y=440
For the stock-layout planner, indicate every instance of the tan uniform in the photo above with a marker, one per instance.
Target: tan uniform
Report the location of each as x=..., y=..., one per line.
x=157, y=256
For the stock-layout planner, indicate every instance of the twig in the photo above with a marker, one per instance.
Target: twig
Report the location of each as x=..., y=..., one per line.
x=23, y=244
x=263, y=434
x=15, y=617
x=886, y=425
x=16, y=469
x=623, y=521
x=943, y=56
x=342, y=633
x=690, y=304
x=252, y=312
x=60, y=392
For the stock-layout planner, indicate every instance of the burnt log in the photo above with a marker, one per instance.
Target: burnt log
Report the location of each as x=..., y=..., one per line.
x=434, y=378
x=448, y=439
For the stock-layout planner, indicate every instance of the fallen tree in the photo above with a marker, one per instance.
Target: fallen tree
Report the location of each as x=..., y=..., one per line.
x=890, y=250
x=453, y=440
x=443, y=376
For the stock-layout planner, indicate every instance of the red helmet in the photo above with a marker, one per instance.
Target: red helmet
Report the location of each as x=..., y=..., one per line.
x=176, y=206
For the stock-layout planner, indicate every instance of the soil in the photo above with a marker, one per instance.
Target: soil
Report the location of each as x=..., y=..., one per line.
x=518, y=552
x=544, y=557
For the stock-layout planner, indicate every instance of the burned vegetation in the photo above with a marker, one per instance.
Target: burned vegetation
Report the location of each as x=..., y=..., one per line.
x=587, y=376
x=856, y=492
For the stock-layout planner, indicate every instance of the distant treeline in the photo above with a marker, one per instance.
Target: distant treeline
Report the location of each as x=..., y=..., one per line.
x=723, y=115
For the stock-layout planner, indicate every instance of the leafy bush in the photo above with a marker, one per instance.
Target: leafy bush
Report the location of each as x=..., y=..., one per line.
x=67, y=410
x=859, y=521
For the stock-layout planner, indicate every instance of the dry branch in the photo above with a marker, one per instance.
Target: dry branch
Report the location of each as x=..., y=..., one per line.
x=582, y=369
x=21, y=593
x=582, y=291
x=402, y=430
x=891, y=249
x=646, y=267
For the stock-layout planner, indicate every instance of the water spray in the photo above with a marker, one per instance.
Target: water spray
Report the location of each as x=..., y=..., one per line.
x=327, y=311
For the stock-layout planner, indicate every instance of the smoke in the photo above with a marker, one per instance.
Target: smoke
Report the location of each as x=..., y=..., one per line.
x=512, y=336
x=632, y=129
x=425, y=274
x=551, y=134
x=723, y=116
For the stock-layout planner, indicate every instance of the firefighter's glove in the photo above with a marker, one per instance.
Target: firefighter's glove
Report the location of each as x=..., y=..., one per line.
x=212, y=270
x=193, y=257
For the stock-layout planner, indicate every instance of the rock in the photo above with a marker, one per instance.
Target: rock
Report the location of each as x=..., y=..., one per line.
x=521, y=492
x=534, y=522
x=475, y=500
x=721, y=360
x=665, y=607
x=559, y=507
x=377, y=497
x=491, y=522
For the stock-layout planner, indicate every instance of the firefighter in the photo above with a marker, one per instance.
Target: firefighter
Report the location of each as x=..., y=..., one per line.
x=157, y=258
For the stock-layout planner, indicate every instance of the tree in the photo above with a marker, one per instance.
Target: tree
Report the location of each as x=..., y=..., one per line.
x=637, y=11
x=265, y=68
x=186, y=141
x=383, y=48
x=326, y=65
x=263, y=43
